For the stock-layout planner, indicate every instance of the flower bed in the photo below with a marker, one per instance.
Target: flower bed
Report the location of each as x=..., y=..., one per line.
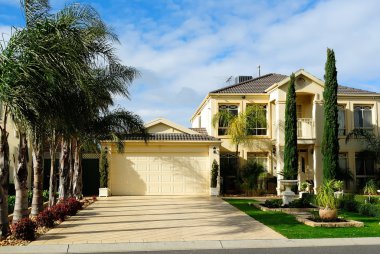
x=309, y=221
x=28, y=229
x=284, y=209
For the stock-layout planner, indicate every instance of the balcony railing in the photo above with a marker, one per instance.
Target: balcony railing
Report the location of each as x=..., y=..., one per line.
x=305, y=128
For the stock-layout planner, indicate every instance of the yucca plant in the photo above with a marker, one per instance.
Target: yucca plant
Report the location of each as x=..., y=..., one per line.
x=326, y=200
x=325, y=196
x=370, y=188
x=338, y=185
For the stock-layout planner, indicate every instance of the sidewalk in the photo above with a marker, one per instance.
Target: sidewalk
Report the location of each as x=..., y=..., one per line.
x=190, y=245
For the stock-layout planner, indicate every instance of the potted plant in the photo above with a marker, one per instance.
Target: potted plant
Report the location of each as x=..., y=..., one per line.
x=303, y=188
x=327, y=202
x=214, y=179
x=338, y=186
x=104, y=191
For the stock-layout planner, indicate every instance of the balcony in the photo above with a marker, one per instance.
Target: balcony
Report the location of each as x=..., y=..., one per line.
x=305, y=128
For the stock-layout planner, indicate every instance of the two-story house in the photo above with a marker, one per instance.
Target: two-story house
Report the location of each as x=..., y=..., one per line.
x=357, y=109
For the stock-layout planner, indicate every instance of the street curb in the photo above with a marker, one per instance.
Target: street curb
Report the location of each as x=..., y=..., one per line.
x=188, y=245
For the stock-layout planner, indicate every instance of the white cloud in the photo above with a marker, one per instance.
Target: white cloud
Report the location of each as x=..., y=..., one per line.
x=193, y=49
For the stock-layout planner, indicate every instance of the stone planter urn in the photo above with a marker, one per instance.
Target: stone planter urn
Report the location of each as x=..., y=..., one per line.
x=104, y=192
x=328, y=214
x=288, y=195
x=214, y=191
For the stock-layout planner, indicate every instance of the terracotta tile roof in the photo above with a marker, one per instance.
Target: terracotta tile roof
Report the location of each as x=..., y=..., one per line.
x=172, y=137
x=255, y=85
x=350, y=90
x=202, y=131
x=260, y=84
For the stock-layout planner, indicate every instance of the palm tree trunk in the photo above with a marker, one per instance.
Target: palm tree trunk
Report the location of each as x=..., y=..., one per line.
x=64, y=168
x=77, y=175
x=4, y=181
x=71, y=168
x=52, y=180
x=20, y=179
x=37, y=203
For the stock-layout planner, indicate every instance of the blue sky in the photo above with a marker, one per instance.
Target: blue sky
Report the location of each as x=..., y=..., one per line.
x=186, y=48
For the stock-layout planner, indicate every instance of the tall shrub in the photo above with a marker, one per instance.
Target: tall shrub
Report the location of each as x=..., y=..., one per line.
x=330, y=141
x=214, y=174
x=290, y=150
x=104, y=168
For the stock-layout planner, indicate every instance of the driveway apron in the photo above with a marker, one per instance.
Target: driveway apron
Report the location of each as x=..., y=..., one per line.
x=157, y=218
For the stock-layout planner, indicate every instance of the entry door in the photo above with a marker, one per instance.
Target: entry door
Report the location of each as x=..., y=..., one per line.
x=228, y=171
x=303, y=165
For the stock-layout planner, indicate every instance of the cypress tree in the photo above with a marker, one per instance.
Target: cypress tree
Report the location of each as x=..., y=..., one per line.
x=103, y=168
x=330, y=141
x=290, y=150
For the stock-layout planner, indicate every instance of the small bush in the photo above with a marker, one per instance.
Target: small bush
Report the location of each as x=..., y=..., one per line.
x=73, y=206
x=11, y=203
x=214, y=174
x=273, y=203
x=25, y=229
x=45, y=196
x=46, y=218
x=30, y=198
x=60, y=211
x=348, y=203
x=369, y=210
x=304, y=202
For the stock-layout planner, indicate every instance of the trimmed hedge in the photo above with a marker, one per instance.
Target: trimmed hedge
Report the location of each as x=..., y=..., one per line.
x=25, y=229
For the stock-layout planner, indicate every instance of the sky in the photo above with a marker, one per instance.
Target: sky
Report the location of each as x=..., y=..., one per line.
x=187, y=48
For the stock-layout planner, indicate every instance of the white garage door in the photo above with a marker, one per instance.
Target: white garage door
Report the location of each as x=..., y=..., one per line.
x=160, y=174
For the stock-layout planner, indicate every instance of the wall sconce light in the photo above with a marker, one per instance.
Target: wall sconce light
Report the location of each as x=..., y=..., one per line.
x=214, y=149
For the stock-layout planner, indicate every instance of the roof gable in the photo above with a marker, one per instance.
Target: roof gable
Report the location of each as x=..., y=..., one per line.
x=296, y=74
x=162, y=125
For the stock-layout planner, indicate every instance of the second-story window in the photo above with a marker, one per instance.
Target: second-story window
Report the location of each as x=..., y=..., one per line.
x=257, y=119
x=342, y=120
x=259, y=158
x=363, y=117
x=223, y=125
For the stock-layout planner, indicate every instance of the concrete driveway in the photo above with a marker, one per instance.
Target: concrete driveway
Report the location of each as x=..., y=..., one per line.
x=157, y=218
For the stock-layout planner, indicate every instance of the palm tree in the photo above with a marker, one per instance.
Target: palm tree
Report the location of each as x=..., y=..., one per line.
x=37, y=64
x=111, y=125
x=239, y=126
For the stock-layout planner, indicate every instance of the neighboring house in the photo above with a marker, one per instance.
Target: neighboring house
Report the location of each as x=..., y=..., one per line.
x=357, y=109
x=174, y=161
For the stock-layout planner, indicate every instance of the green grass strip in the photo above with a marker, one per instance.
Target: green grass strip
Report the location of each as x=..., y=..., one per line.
x=289, y=227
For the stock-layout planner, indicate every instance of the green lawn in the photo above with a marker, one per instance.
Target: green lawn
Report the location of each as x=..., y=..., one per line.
x=287, y=225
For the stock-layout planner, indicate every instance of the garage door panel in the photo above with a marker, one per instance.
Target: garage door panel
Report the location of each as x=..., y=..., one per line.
x=155, y=174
